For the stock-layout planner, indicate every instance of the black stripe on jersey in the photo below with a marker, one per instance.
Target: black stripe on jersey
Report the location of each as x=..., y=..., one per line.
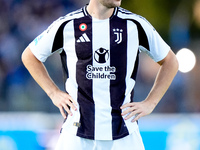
x=85, y=96
x=143, y=40
x=58, y=41
x=64, y=65
x=134, y=74
x=118, y=58
x=58, y=44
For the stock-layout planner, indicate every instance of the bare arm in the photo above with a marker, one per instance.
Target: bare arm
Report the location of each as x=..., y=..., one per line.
x=168, y=70
x=39, y=73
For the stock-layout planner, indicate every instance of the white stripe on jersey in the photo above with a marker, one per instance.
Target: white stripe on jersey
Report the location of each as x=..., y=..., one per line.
x=131, y=58
x=101, y=88
x=72, y=59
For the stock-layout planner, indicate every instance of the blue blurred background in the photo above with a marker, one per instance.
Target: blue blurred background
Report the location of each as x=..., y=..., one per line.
x=29, y=120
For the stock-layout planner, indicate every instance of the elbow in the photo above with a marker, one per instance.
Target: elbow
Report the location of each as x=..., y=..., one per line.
x=175, y=63
x=26, y=56
x=23, y=57
x=170, y=62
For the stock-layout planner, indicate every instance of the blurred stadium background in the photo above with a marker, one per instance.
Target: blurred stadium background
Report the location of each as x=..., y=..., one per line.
x=29, y=120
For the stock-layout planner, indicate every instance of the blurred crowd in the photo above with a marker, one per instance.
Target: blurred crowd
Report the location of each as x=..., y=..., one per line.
x=22, y=20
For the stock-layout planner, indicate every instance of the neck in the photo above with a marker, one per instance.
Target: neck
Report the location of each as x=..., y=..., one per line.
x=99, y=11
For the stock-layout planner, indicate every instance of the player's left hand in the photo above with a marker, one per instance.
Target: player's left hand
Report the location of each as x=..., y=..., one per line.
x=136, y=110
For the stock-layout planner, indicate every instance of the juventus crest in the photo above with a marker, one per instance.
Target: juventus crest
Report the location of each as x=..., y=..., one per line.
x=118, y=33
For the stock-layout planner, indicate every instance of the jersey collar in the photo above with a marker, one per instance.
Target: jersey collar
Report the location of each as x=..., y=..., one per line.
x=87, y=14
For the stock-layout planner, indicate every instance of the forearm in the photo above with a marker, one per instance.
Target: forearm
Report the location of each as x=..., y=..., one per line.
x=168, y=69
x=165, y=76
x=38, y=72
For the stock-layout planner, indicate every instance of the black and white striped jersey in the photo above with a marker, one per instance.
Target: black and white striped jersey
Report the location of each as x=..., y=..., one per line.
x=100, y=62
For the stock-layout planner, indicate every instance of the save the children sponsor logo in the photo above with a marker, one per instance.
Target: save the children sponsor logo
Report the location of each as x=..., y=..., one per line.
x=101, y=68
x=100, y=72
x=101, y=55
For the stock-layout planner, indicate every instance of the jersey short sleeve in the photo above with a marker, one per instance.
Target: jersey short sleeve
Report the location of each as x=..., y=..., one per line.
x=42, y=45
x=158, y=48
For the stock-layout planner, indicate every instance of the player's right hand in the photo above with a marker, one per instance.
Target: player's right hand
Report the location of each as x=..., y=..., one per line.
x=63, y=101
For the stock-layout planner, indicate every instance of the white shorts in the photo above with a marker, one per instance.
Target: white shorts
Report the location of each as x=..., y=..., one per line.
x=71, y=142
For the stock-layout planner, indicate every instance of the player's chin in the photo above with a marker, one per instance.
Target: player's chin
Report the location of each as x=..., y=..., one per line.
x=114, y=5
x=117, y=3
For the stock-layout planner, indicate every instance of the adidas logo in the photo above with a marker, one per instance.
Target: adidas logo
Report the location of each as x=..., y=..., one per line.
x=83, y=38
